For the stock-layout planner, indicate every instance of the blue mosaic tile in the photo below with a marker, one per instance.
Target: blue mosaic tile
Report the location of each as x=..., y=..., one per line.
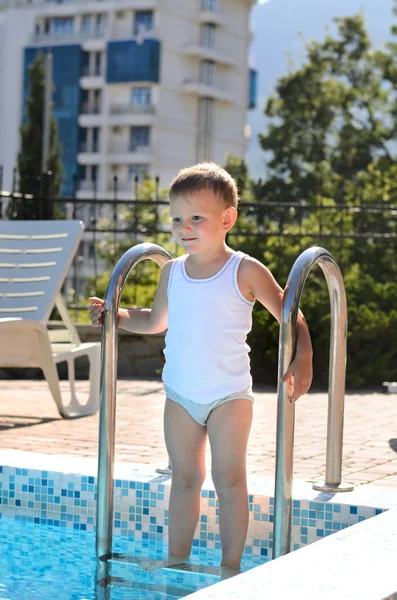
x=69, y=500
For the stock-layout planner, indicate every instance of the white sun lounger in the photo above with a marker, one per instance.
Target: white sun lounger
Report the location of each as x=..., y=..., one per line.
x=34, y=260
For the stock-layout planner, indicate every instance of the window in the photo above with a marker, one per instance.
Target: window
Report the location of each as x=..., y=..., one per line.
x=139, y=136
x=95, y=139
x=141, y=96
x=207, y=72
x=61, y=26
x=210, y=5
x=87, y=24
x=143, y=21
x=100, y=23
x=98, y=61
x=208, y=35
x=141, y=171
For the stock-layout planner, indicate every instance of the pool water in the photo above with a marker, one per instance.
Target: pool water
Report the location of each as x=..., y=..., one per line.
x=40, y=562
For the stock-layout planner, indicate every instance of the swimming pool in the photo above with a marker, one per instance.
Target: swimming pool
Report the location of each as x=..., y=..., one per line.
x=47, y=506
x=43, y=562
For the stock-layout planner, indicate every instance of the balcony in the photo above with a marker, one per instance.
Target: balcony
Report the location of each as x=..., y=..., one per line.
x=131, y=114
x=124, y=153
x=89, y=154
x=208, y=90
x=92, y=78
x=90, y=109
x=87, y=186
x=90, y=115
x=123, y=185
x=62, y=37
x=131, y=109
x=96, y=71
x=86, y=147
x=211, y=16
x=216, y=54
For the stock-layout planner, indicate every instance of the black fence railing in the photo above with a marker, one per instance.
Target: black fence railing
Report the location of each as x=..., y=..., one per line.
x=256, y=219
x=112, y=224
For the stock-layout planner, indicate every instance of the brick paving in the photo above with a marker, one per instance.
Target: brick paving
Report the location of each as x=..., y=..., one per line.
x=29, y=421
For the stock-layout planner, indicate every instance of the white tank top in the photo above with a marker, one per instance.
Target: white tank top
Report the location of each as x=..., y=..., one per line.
x=208, y=322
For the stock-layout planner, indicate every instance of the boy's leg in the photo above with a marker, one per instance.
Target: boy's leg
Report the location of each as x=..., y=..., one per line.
x=185, y=440
x=228, y=430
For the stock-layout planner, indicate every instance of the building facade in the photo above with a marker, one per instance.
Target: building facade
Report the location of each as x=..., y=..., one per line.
x=142, y=87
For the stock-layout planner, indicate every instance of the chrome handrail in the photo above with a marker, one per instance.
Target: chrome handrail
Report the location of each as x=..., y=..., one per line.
x=286, y=409
x=104, y=517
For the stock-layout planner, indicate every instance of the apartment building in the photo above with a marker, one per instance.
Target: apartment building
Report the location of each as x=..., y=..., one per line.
x=142, y=87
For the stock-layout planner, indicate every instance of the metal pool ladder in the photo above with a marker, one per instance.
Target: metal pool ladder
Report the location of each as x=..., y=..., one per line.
x=107, y=419
x=336, y=390
x=285, y=417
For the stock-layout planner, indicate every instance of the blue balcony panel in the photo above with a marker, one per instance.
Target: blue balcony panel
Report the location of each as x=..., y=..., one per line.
x=129, y=60
x=67, y=66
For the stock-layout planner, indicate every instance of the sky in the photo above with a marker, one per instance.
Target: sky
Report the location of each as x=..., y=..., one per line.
x=278, y=26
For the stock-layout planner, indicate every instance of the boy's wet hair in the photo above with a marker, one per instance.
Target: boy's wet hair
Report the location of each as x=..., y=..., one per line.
x=205, y=176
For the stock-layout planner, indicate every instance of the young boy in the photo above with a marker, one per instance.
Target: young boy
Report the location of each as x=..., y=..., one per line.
x=205, y=299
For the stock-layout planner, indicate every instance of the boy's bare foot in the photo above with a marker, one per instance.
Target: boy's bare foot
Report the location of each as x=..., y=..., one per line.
x=148, y=564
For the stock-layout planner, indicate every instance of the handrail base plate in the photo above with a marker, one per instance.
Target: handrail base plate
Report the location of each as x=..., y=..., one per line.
x=323, y=486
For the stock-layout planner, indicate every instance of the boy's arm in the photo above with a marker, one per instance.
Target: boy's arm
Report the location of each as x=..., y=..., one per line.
x=257, y=283
x=149, y=320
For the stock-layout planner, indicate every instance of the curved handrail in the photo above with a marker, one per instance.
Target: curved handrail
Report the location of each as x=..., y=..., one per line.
x=104, y=517
x=286, y=409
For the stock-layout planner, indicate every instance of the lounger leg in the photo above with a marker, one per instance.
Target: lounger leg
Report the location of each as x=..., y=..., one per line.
x=75, y=409
x=94, y=357
x=51, y=375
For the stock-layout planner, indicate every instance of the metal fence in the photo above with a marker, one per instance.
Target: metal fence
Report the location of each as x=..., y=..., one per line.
x=115, y=221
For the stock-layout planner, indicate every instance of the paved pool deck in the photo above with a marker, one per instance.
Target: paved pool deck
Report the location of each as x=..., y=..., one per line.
x=30, y=422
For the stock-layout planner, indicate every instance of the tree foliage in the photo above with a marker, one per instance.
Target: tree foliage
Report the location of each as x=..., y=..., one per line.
x=332, y=117
x=140, y=223
x=31, y=134
x=332, y=141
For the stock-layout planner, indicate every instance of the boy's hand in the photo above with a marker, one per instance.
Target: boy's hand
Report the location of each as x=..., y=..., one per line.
x=97, y=311
x=299, y=374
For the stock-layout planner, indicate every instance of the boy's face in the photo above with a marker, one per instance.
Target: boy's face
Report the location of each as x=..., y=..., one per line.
x=200, y=221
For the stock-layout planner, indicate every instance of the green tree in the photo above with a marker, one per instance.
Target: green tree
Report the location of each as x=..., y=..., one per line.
x=238, y=169
x=332, y=142
x=31, y=135
x=140, y=222
x=332, y=117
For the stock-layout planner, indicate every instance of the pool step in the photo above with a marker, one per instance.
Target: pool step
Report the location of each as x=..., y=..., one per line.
x=168, y=591
x=150, y=565
x=172, y=582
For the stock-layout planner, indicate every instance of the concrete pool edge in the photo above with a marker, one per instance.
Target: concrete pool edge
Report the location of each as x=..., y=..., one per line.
x=358, y=563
